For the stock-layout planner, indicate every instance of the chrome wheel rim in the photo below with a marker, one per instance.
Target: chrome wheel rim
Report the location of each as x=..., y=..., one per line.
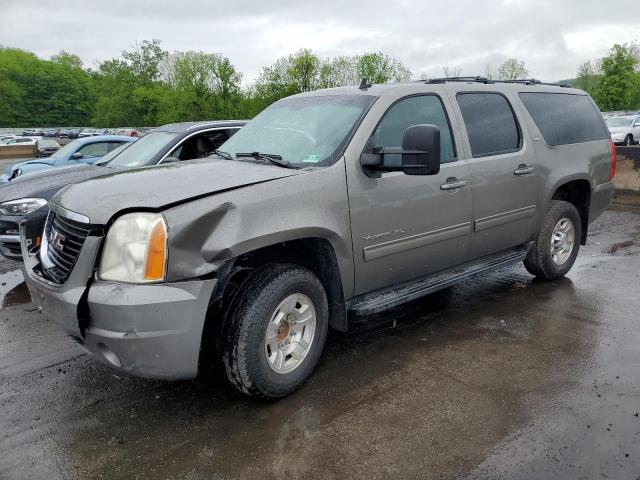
x=290, y=333
x=562, y=241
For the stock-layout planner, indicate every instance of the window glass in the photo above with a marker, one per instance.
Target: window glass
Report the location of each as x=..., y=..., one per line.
x=98, y=149
x=490, y=123
x=564, y=118
x=617, y=122
x=142, y=151
x=418, y=110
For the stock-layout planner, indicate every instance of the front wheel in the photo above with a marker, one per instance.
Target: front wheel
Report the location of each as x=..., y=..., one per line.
x=556, y=246
x=276, y=331
x=628, y=141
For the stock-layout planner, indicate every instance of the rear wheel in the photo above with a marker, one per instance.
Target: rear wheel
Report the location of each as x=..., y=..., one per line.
x=276, y=331
x=558, y=242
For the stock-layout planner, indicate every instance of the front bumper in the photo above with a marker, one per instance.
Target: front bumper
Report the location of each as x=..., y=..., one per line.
x=152, y=331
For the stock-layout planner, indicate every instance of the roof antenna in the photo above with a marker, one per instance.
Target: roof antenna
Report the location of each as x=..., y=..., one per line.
x=364, y=84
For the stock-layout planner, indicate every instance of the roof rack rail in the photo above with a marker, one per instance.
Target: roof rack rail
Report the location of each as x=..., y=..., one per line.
x=478, y=79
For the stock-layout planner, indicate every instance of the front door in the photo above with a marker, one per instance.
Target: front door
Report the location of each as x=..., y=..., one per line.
x=404, y=226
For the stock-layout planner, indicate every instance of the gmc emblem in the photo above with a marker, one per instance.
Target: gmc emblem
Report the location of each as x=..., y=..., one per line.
x=57, y=239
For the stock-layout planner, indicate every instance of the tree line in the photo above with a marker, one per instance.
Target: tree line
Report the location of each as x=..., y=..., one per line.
x=147, y=86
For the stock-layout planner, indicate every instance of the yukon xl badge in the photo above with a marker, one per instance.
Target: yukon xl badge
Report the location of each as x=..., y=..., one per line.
x=57, y=239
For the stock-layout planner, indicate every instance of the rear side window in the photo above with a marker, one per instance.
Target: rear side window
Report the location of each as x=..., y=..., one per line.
x=564, y=118
x=491, y=123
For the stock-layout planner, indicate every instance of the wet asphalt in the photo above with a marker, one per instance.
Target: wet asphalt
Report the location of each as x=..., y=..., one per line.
x=503, y=376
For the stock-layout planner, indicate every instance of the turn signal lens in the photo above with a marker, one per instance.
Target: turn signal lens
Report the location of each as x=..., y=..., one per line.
x=156, y=248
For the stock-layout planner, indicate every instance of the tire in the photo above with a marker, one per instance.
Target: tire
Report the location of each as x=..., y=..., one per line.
x=251, y=360
x=540, y=260
x=628, y=141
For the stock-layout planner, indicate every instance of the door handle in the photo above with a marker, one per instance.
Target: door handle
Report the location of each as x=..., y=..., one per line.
x=523, y=170
x=452, y=184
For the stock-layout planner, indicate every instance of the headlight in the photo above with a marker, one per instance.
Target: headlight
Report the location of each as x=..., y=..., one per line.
x=135, y=250
x=22, y=206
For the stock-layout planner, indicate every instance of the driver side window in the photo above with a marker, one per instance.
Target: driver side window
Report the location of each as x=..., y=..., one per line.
x=98, y=149
x=416, y=110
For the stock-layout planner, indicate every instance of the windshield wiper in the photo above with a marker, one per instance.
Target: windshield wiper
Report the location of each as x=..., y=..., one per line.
x=271, y=157
x=225, y=155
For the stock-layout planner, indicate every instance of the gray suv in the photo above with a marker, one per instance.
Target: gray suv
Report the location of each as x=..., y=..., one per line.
x=328, y=204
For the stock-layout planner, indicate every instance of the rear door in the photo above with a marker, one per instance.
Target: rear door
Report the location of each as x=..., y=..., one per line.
x=504, y=176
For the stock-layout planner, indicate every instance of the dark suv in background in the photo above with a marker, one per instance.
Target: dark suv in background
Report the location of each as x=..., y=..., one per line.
x=169, y=143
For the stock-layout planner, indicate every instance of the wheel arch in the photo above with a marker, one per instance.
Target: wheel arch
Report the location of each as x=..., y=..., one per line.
x=315, y=253
x=576, y=191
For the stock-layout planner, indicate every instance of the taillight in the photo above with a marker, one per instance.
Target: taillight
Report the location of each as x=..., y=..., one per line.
x=612, y=169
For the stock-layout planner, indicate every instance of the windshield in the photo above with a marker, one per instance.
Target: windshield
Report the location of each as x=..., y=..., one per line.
x=619, y=122
x=308, y=131
x=112, y=154
x=142, y=151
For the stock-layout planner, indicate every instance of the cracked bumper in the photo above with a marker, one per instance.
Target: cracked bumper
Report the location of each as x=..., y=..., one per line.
x=151, y=331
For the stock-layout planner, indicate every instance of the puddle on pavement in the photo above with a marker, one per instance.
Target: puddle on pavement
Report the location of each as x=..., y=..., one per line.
x=13, y=290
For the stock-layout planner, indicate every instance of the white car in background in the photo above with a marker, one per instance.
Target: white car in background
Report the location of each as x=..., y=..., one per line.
x=20, y=141
x=624, y=130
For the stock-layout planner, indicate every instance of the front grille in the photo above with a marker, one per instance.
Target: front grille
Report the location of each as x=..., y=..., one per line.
x=65, y=239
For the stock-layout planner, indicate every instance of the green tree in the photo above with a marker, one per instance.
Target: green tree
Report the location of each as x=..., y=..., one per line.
x=619, y=85
x=127, y=87
x=588, y=77
x=512, y=69
x=36, y=92
x=380, y=68
x=69, y=59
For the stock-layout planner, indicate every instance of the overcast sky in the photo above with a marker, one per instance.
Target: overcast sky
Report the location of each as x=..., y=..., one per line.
x=552, y=37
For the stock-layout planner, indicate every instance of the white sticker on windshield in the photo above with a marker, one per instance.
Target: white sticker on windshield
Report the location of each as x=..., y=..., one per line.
x=311, y=158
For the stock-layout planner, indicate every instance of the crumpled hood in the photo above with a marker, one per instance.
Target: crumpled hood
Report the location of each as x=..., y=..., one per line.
x=47, y=183
x=157, y=187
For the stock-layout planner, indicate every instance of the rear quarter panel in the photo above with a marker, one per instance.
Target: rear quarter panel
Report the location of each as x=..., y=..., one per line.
x=558, y=165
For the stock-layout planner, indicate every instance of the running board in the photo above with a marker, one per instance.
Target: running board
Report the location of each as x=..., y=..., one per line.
x=405, y=292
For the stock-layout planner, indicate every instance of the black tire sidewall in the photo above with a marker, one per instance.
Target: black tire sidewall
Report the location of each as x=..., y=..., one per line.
x=558, y=211
x=253, y=313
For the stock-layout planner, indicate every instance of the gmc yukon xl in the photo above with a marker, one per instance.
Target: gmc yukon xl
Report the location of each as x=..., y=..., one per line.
x=328, y=204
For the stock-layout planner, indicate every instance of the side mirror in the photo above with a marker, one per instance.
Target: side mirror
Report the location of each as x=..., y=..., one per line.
x=420, y=153
x=76, y=156
x=421, y=150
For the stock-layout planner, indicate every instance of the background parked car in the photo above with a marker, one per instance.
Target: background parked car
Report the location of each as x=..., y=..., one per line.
x=89, y=132
x=78, y=152
x=28, y=195
x=21, y=141
x=129, y=132
x=47, y=147
x=624, y=130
